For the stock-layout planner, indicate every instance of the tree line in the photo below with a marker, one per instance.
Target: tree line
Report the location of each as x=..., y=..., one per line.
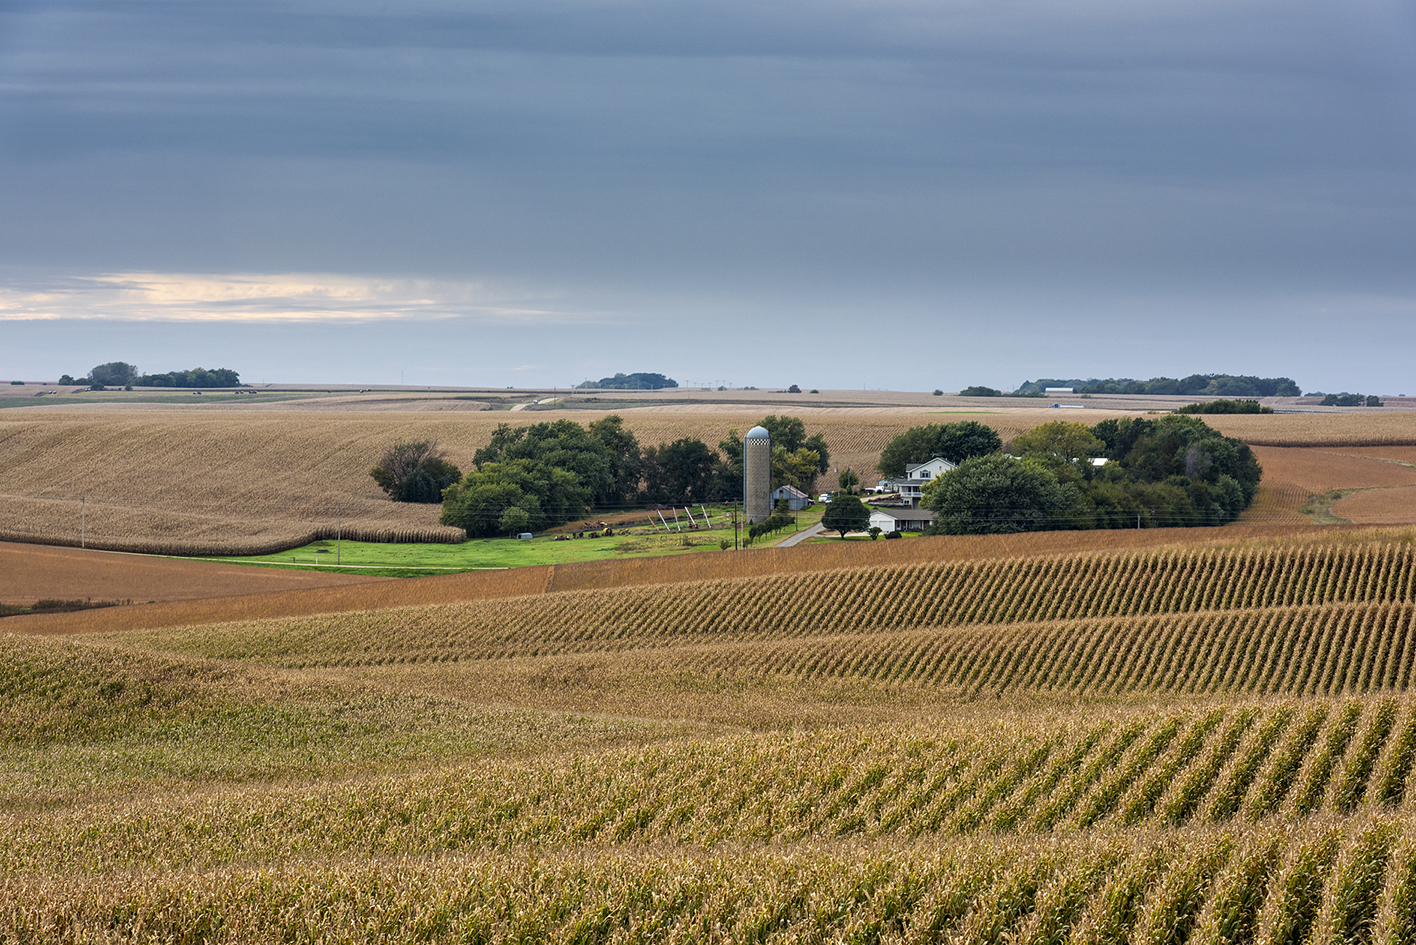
x=1214, y=385
x=123, y=374
x=1169, y=472
x=535, y=477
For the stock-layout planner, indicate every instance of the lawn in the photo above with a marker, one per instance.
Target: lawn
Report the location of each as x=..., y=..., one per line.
x=416, y=560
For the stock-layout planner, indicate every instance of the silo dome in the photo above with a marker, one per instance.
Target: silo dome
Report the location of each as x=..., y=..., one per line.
x=758, y=433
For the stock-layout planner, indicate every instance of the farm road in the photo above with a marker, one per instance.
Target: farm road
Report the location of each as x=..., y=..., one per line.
x=802, y=536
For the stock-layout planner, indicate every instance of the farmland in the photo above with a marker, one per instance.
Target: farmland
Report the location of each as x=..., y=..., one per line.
x=1209, y=742
x=1142, y=735
x=258, y=481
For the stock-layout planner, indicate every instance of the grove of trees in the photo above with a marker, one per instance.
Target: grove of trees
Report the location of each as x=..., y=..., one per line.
x=1171, y=471
x=637, y=381
x=121, y=374
x=552, y=473
x=1217, y=385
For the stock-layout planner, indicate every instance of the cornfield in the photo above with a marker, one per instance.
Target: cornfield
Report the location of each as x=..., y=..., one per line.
x=1209, y=608
x=1201, y=743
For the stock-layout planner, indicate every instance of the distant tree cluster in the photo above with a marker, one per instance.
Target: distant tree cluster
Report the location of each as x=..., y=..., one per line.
x=196, y=377
x=122, y=374
x=1225, y=406
x=640, y=381
x=536, y=477
x=1172, y=471
x=978, y=391
x=1350, y=400
x=1211, y=385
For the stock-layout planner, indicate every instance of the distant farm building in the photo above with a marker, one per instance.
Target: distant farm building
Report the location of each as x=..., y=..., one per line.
x=795, y=498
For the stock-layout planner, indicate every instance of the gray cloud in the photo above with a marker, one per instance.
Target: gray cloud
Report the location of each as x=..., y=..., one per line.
x=1111, y=167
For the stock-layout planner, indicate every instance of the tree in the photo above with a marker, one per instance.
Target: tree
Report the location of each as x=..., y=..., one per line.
x=113, y=374
x=548, y=495
x=562, y=444
x=848, y=481
x=955, y=442
x=727, y=470
x=414, y=472
x=846, y=513
x=1058, y=443
x=678, y=473
x=789, y=433
x=999, y=495
x=798, y=469
x=625, y=459
x=514, y=520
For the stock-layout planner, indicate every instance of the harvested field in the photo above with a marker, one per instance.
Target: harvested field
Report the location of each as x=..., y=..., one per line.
x=1395, y=505
x=257, y=481
x=29, y=573
x=1322, y=470
x=1366, y=429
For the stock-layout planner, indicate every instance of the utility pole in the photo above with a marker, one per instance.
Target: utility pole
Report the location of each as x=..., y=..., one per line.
x=83, y=521
x=339, y=538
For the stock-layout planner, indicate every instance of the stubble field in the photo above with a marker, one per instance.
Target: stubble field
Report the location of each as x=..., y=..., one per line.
x=257, y=481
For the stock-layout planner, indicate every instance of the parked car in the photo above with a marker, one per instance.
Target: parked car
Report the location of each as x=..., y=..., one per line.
x=824, y=497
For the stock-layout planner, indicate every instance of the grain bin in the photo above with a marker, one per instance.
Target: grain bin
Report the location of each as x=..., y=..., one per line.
x=757, y=474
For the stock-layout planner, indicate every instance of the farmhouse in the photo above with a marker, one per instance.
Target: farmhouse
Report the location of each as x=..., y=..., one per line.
x=916, y=477
x=796, y=499
x=901, y=520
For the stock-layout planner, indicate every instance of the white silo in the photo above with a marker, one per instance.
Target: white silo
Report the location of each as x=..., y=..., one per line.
x=757, y=474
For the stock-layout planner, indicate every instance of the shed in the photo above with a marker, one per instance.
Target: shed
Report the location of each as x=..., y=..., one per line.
x=796, y=499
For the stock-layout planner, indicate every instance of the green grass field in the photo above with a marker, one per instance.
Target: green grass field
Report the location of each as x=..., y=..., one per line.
x=419, y=560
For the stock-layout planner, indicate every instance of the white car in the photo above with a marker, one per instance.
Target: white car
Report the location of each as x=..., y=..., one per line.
x=824, y=497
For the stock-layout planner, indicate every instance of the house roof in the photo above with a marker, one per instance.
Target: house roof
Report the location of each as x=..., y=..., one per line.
x=790, y=491
x=906, y=515
x=936, y=459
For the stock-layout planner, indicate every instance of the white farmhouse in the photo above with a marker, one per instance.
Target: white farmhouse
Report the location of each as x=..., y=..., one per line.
x=918, y=476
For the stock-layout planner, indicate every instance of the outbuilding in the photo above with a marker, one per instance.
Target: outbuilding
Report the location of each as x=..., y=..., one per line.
x=796, y=499
x=901, y=520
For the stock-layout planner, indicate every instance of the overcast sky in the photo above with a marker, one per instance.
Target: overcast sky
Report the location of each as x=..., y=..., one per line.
x=902, y=194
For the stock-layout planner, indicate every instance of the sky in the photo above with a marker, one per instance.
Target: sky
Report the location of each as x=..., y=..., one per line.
x=891, y=194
